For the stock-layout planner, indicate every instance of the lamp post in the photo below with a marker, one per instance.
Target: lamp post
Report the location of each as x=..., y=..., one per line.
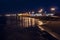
x=53, y=10
x=40, y=11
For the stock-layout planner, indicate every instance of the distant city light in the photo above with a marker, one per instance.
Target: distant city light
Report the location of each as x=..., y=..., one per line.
x=7, y=15
x=53, y=9
x=19, y=14
x=33, y=12
x=51, y=14
x=10, y=14
x=40, y=10
x=29, y=12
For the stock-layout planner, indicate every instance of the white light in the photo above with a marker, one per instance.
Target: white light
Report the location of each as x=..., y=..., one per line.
x=7, y=15
x=29, y=12
x=38, y=14
x=49, y=14
x=40, y=10
x=33, y=12
x=10, y=14
x=53, y=9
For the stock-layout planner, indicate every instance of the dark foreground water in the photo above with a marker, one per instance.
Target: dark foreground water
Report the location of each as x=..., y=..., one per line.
x=31, y=33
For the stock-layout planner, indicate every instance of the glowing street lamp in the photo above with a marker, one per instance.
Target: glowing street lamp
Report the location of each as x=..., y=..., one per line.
x=40, y=11
x=53, y=9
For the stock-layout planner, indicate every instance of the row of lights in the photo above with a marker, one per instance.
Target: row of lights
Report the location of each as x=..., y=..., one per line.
x=41, y=10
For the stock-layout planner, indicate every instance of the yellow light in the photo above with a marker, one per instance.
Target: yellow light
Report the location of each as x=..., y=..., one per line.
x=19, y=14
x=40, y=23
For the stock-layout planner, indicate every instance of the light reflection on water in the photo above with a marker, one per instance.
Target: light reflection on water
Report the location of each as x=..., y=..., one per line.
x=23, y=21
x=29, y=22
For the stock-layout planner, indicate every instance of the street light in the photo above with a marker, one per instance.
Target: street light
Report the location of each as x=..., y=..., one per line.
x=40, y=11
x=53, y=9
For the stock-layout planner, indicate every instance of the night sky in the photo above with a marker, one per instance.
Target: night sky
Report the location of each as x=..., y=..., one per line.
x=14, y=6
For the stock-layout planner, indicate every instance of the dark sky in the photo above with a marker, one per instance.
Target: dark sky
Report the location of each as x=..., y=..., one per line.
x=27, y=5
